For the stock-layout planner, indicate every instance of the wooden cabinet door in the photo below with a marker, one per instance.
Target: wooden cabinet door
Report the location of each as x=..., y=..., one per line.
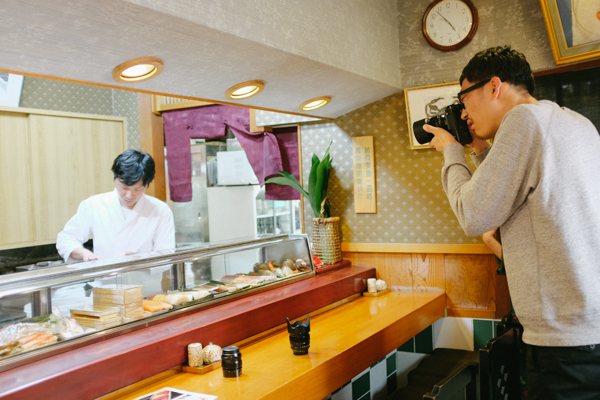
x=71, y=160
x=16, y=203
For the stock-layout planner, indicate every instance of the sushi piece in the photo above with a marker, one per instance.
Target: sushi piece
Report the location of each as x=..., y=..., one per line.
x=154, y=306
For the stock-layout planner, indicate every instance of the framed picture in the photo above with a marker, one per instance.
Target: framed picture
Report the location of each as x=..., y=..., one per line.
x=573, y=28
x=427, y=101
x=11, y=86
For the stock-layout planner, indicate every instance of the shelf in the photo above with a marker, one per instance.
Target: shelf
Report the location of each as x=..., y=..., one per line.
x=279, y=214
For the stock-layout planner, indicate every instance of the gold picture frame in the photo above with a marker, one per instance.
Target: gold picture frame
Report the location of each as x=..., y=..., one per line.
x=427, y=101
x=574, y=33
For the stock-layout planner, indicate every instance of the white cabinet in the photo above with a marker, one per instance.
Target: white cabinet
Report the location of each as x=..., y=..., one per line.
x=231, y=212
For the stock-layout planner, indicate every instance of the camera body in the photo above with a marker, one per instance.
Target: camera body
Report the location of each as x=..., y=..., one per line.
x=449, y=119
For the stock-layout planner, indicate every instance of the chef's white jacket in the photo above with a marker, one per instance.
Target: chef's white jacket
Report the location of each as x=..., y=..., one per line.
x=147, y=227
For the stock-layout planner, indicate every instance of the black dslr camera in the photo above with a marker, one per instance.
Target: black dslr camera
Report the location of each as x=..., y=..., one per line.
x=449, y=119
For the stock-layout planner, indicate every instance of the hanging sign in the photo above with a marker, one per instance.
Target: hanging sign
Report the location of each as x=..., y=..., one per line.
x=365, y=194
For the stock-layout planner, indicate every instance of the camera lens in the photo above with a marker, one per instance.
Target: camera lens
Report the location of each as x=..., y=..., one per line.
x=420, y=134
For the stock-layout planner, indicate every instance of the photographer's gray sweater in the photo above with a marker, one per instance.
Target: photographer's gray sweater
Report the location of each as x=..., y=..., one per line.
x=540, y=183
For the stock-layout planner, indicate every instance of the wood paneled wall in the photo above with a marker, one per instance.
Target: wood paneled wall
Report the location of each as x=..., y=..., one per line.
x=467, y=273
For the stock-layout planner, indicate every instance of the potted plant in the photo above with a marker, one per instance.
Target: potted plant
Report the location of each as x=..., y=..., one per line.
x=326, y=242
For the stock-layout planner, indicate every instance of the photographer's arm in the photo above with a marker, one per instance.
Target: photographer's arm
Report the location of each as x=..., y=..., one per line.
x=490, y=240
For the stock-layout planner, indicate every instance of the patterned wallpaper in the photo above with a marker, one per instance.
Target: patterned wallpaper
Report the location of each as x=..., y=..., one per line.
x=270, y=118
x=48, y=94
x=411, y=204
x=516, y=22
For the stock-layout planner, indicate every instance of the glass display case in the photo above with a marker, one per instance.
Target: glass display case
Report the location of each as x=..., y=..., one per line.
x=46, y=309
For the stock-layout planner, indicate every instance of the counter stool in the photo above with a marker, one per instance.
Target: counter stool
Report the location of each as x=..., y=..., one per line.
x=500, y=363
x=446, y=374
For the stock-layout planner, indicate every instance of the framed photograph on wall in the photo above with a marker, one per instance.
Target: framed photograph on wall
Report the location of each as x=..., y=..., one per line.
x=573, y=28
x=11, y=86
x=427, y=101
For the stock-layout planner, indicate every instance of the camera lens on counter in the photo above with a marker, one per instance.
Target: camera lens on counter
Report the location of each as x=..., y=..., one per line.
x=231, y=361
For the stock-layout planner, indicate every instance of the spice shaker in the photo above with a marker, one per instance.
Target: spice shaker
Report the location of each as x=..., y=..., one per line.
x=195, y=355
x=231, y=361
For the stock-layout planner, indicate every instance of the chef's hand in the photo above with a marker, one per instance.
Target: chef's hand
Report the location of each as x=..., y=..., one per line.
x=84, y=254
x=441, y=137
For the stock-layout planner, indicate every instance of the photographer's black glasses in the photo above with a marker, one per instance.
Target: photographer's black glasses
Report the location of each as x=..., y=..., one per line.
x=469, y=89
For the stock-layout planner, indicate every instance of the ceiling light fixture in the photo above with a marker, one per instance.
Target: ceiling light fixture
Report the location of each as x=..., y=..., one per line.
x=244, y=90
x=315, y=103
x=137, y=70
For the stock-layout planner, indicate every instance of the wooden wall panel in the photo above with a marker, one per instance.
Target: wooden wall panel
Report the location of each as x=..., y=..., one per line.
x=16, y=203
x=427, y=272
x=411, y=272
x=472, y=287
x=152, y=141
x=470, y=282
x=70, y=160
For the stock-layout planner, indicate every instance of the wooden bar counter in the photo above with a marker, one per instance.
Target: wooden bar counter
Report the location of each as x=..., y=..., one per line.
x=344, y=341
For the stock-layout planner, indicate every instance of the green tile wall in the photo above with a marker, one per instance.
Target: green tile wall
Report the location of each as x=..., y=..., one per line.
x=408, y=347
x=361, y=387
x=483, y=331
x=424, y=341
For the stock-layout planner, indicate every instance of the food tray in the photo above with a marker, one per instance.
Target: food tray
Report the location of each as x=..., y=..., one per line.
x=203, y=369
x=98, y=311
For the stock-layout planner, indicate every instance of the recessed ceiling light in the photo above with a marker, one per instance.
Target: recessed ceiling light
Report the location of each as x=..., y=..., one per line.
x=137, y=70
x=244, y=90
x=315, y=103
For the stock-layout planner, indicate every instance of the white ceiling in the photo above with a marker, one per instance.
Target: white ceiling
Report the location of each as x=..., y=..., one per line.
x=346, y=49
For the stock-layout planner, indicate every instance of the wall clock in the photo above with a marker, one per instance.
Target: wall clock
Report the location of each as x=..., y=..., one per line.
x=450, y=24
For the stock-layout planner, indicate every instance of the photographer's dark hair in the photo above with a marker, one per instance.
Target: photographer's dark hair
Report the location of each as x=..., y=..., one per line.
x=507, y=64
x=133, y=165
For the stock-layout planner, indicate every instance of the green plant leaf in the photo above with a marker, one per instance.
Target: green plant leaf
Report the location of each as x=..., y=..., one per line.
x=322, y=177
x=287, y=181
x=312, y=181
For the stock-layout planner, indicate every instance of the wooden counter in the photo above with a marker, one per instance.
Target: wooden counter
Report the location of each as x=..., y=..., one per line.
x=344, y=341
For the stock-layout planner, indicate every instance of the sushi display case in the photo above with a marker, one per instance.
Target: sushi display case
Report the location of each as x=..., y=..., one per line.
x=50, y=311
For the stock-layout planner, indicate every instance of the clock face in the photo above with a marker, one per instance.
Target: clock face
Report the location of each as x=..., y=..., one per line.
x=448, y=23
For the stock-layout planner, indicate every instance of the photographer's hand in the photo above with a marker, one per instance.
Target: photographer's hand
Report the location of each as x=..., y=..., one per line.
x=441, y=137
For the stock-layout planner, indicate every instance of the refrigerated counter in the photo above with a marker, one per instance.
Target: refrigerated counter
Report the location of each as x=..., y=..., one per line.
x=130, y=318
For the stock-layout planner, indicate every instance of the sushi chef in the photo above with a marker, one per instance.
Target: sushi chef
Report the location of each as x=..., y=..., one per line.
x=124, y=221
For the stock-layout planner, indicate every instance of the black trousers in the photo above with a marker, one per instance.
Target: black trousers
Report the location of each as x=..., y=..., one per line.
x=558, y=373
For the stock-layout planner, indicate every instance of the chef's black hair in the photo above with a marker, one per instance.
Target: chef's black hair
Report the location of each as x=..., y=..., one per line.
x=502, y=61
x=133, y=165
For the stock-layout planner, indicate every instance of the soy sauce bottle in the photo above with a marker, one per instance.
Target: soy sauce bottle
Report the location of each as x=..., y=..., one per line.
x=231, y=361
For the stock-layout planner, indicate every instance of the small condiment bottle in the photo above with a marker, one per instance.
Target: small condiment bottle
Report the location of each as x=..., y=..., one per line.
x=195, y=354
x=371, y=285
x=231, y=361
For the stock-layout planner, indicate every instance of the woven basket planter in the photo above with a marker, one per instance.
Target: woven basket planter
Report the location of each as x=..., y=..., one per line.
x=326, y=241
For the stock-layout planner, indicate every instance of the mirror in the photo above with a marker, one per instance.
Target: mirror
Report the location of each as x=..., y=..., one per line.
x=271, y=217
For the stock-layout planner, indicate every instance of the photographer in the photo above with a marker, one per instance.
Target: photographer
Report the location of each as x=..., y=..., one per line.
x=539, y=183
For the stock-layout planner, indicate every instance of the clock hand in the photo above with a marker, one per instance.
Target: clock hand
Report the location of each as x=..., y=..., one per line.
x=447, y=21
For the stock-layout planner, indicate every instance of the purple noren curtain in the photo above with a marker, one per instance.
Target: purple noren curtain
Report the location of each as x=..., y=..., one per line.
x=266, y=152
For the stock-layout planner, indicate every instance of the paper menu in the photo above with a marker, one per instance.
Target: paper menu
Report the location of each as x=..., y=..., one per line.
x=178, y=394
